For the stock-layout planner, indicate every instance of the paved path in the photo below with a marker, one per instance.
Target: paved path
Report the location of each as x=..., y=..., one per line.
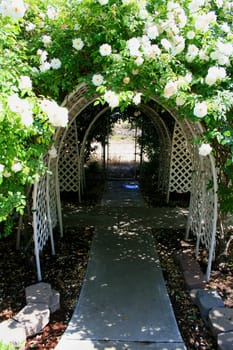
x=124, y=303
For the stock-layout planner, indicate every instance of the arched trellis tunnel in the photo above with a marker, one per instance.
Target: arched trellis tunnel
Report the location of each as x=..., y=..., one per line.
x=181, y=169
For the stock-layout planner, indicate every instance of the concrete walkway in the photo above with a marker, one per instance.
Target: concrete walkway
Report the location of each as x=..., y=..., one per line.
x=124, y=304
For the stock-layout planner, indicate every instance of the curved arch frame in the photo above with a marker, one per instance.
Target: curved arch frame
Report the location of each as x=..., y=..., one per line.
x=76, y=103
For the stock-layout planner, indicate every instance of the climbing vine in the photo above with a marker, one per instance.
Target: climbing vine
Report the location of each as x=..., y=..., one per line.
x=125, y=50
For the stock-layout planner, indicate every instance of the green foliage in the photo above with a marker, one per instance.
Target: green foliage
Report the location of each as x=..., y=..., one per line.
x=8, y=346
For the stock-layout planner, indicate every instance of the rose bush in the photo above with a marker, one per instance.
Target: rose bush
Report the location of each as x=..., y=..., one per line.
x=179, y=51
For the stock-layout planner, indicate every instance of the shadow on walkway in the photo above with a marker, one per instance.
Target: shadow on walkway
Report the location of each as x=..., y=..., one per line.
x=124, y=304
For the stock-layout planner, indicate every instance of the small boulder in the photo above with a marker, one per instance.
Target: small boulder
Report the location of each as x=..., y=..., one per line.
x=38, y=293
x=225, y=341
x=11, y=332
x=206, y=300
x=54, y=302
x=221, y=320
x=33, y=317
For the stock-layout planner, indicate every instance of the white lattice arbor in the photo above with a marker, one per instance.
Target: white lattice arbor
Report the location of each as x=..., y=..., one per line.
x=181, y=170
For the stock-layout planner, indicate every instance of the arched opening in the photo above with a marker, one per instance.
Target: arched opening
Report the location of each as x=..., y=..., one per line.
x=180, y=169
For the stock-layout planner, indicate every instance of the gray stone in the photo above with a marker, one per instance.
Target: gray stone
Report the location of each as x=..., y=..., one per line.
x=193, y=295
x=225, y=341
x=221, y=320
x=206, y=300
x=11, y=332
x=38, y=293
x=54, y=302
x=33, y=317
x=194, y=279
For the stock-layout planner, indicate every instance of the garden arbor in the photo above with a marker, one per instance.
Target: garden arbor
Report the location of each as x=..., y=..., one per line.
x=181, y=169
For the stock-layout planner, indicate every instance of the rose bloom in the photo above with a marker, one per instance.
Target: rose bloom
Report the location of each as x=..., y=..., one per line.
x=55, y=63
x=137, y=98
x=139, y=61
x=126, y=80
x=46, y=39
x=16, y=167
x=29, y=27
x=214, y=74
x=105, y=50
x=200, y=109
x=152, y=32
x=190, y=34
x=170, y=89
x=1, y=168
x=44, y=67
x=205, y=149
x=58, y=116
x=25, y=82
x=180, y=101
x=77, y=44
x=133, y=46
x=14, y=8
x=111, y=98
x=103, y=2
x=166, y=44
x=6, y=174
x=18, y=105
x=97, y=79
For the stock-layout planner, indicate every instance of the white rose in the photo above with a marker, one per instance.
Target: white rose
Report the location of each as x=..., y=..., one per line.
x=166, y=44
x=1, y=168
x=103, y=2
x=137, y=98
x=55, y=63
x=16, y=167
x=190, y=34
x=46, y=39
x=25, y=82
x=6, y=174
x=139, y=61
x=133, y=46
x=180, y=101
x=77, y=44
x=152, y=32
x=105, y=50
x=26, y=118
x=44, y=67
x=111, y=98
x=205, y=149
x=200, y=109
x=97, y=79
x=170, y=89
x=29, y=27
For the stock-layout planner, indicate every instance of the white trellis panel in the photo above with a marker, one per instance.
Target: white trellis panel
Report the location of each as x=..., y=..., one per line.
x=42, y=224
x=180, y=179
x=51, y=178
x=202, y=201
x=68, y=161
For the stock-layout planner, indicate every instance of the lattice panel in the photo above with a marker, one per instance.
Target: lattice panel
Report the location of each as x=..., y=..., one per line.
x=52, y=191
x=201, y=209
x=68, y=161
x=42, y=219
x=181, y=163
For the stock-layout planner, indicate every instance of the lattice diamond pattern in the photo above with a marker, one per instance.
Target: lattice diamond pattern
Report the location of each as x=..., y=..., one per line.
x=181, y=163
x=42, y=224
x=68, y=161
x=52, y=191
